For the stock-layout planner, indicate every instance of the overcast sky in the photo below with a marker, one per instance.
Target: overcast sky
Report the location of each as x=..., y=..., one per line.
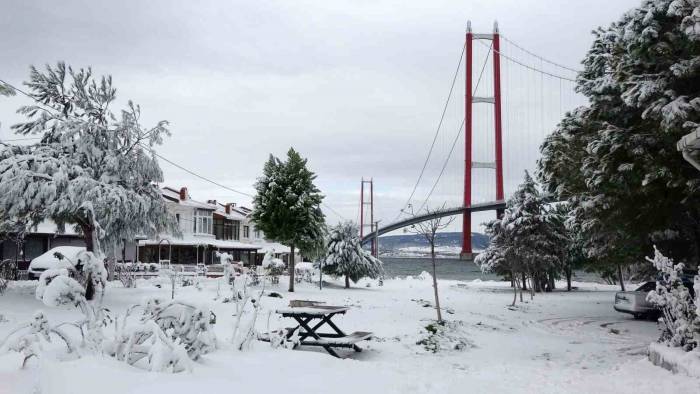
x=357, y=87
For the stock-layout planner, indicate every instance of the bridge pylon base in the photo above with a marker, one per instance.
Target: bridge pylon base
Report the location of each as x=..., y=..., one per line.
x=467, y=256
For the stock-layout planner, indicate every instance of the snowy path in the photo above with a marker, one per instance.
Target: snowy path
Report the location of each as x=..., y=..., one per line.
x=572, y=342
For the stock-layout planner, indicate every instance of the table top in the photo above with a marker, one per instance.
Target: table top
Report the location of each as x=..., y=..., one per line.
x=317, y=310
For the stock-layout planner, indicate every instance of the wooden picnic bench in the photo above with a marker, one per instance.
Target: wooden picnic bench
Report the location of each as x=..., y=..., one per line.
x=321, y=316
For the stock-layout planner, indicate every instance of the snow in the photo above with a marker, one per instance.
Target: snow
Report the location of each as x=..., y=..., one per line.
x=49, y=261
x=573, y=340
x=675, y=359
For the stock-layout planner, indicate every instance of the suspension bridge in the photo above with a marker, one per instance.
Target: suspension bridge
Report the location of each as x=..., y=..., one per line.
x=512, y=99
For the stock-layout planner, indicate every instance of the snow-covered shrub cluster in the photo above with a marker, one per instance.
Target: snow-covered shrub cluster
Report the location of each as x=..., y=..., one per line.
x=273, y=266
x=346, y=257
x=27, y=338
x=167, y=336
x=445, y=336
x=681, y=314
x=56, y=288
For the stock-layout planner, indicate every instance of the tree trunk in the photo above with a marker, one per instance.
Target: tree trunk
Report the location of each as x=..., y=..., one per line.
x=347, y=282
x=551, y=281
x=435, y=285
x=515, y=288
x=290, y=267
x=524, y=281
x=568, y=278
x=90, y=247
x=619, y=276
x=522, y=287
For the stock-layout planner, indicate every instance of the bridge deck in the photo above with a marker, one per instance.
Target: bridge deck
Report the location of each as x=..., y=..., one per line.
x=487, y=206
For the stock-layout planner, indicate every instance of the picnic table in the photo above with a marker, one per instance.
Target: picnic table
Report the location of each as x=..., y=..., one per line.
x=312, y=318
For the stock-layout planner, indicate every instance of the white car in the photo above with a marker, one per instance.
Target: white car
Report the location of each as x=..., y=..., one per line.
x=58, y=257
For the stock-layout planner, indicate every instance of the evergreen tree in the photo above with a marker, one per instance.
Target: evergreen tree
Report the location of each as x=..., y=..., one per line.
x=346, y=257
x=529, y=238
x=287, y=206
x=92, y=168
x=616, y=160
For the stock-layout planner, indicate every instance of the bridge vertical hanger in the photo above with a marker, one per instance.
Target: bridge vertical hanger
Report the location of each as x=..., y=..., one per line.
x=469, y=101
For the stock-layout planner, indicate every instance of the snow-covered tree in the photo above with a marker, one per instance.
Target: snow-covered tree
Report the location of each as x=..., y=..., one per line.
x=529, y=238
x=428, y=229
x=287, y=206
x=92, y=168
x=615, y=160
x=680, y=312
x=346, y=257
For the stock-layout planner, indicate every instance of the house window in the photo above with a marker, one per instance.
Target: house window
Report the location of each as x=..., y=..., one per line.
x=203, y=222
x=236, y=230
x=246, y=232
x=256, y=233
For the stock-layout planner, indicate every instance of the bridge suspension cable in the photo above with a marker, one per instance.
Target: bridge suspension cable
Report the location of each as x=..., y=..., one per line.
x=459, y=133
x=538, y=56
x=437, y=131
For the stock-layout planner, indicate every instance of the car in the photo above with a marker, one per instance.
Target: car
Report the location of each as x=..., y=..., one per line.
x=635, y=302
x=58, y=257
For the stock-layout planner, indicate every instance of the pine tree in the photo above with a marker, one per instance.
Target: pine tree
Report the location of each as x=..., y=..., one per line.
x=92, y=168
x=529, y=239
x=616, y=160
x=287, y=206
x=346, y=257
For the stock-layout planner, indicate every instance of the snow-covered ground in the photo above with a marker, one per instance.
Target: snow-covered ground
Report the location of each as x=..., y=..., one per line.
x=561, y=342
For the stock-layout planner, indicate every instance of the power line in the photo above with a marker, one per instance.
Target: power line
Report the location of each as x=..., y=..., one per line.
x=152, y=151
x=437, y=131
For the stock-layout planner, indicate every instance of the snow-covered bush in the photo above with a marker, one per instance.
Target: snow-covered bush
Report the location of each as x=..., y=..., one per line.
x=146, y=345
x=56, y=288
x=26, y=339
x=273, y=266
x=346, y=257
x=445, y=336
x=681, y=314
x=167, y=336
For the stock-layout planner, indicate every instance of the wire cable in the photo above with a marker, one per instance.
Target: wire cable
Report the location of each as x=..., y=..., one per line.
x=538, y=56
x=437, y=131
x=153, y=152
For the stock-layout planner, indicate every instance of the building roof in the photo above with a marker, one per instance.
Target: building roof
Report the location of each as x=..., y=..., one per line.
x=173, y=195
x=202, y=241
x=233, y=215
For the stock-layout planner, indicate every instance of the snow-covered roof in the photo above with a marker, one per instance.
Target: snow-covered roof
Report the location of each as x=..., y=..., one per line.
x=233, y=215
x=275, y=247
x=173, y=195
x=195, y=241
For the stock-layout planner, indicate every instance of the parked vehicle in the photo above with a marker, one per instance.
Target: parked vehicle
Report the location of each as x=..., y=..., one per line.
x=58, y=257
x=635, y=302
